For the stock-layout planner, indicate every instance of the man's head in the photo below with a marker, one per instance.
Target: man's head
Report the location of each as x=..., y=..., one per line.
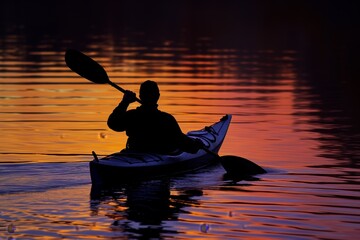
x=149, y=92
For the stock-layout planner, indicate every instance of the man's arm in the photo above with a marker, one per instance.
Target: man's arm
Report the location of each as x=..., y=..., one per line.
x=184, y=142
x=117, y=120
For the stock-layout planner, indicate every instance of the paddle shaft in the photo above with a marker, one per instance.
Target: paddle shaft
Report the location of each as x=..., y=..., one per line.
x=121, y=89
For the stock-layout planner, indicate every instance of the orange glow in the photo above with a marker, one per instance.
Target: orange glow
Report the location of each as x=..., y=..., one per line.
x=69, y=117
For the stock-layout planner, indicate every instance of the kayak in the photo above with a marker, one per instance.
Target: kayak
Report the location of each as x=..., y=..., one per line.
x=126, y=165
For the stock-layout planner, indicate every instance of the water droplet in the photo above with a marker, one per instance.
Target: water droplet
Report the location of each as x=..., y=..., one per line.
x=103, y=135
x=11, y=228
x=204, y=227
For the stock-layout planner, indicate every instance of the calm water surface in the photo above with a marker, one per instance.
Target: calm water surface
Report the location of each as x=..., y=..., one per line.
x=51, y=120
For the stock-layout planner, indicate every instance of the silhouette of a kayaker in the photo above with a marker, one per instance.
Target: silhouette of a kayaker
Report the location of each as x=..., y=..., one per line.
x=149, y=129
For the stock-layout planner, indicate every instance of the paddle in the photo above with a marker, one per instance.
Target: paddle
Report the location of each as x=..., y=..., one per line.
x=89, y=69
x=237, y=166
x=93, y=71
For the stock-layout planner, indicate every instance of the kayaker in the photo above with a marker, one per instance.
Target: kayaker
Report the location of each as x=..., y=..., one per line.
x=149, y=129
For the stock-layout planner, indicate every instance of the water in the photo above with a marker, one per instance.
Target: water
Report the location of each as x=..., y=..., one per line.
x=296, y=123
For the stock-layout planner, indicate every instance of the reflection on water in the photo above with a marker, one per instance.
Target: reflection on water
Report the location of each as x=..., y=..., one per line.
x=141, y=209
x=287, y=116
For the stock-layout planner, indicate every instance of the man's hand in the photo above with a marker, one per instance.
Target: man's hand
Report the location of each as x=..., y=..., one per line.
x=129, y=97
x=196, y=145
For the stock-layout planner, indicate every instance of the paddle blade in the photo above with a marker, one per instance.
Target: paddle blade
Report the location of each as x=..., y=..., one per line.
x=238, y=166
x=85, y=66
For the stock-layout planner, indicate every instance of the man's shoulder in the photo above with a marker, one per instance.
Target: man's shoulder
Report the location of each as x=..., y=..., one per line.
x=132, y=114
x=166, y=115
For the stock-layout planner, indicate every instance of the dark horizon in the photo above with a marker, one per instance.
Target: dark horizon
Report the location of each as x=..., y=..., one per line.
x=230, y=23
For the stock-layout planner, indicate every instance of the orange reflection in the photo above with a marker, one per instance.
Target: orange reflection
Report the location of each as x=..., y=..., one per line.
x=63, y=113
